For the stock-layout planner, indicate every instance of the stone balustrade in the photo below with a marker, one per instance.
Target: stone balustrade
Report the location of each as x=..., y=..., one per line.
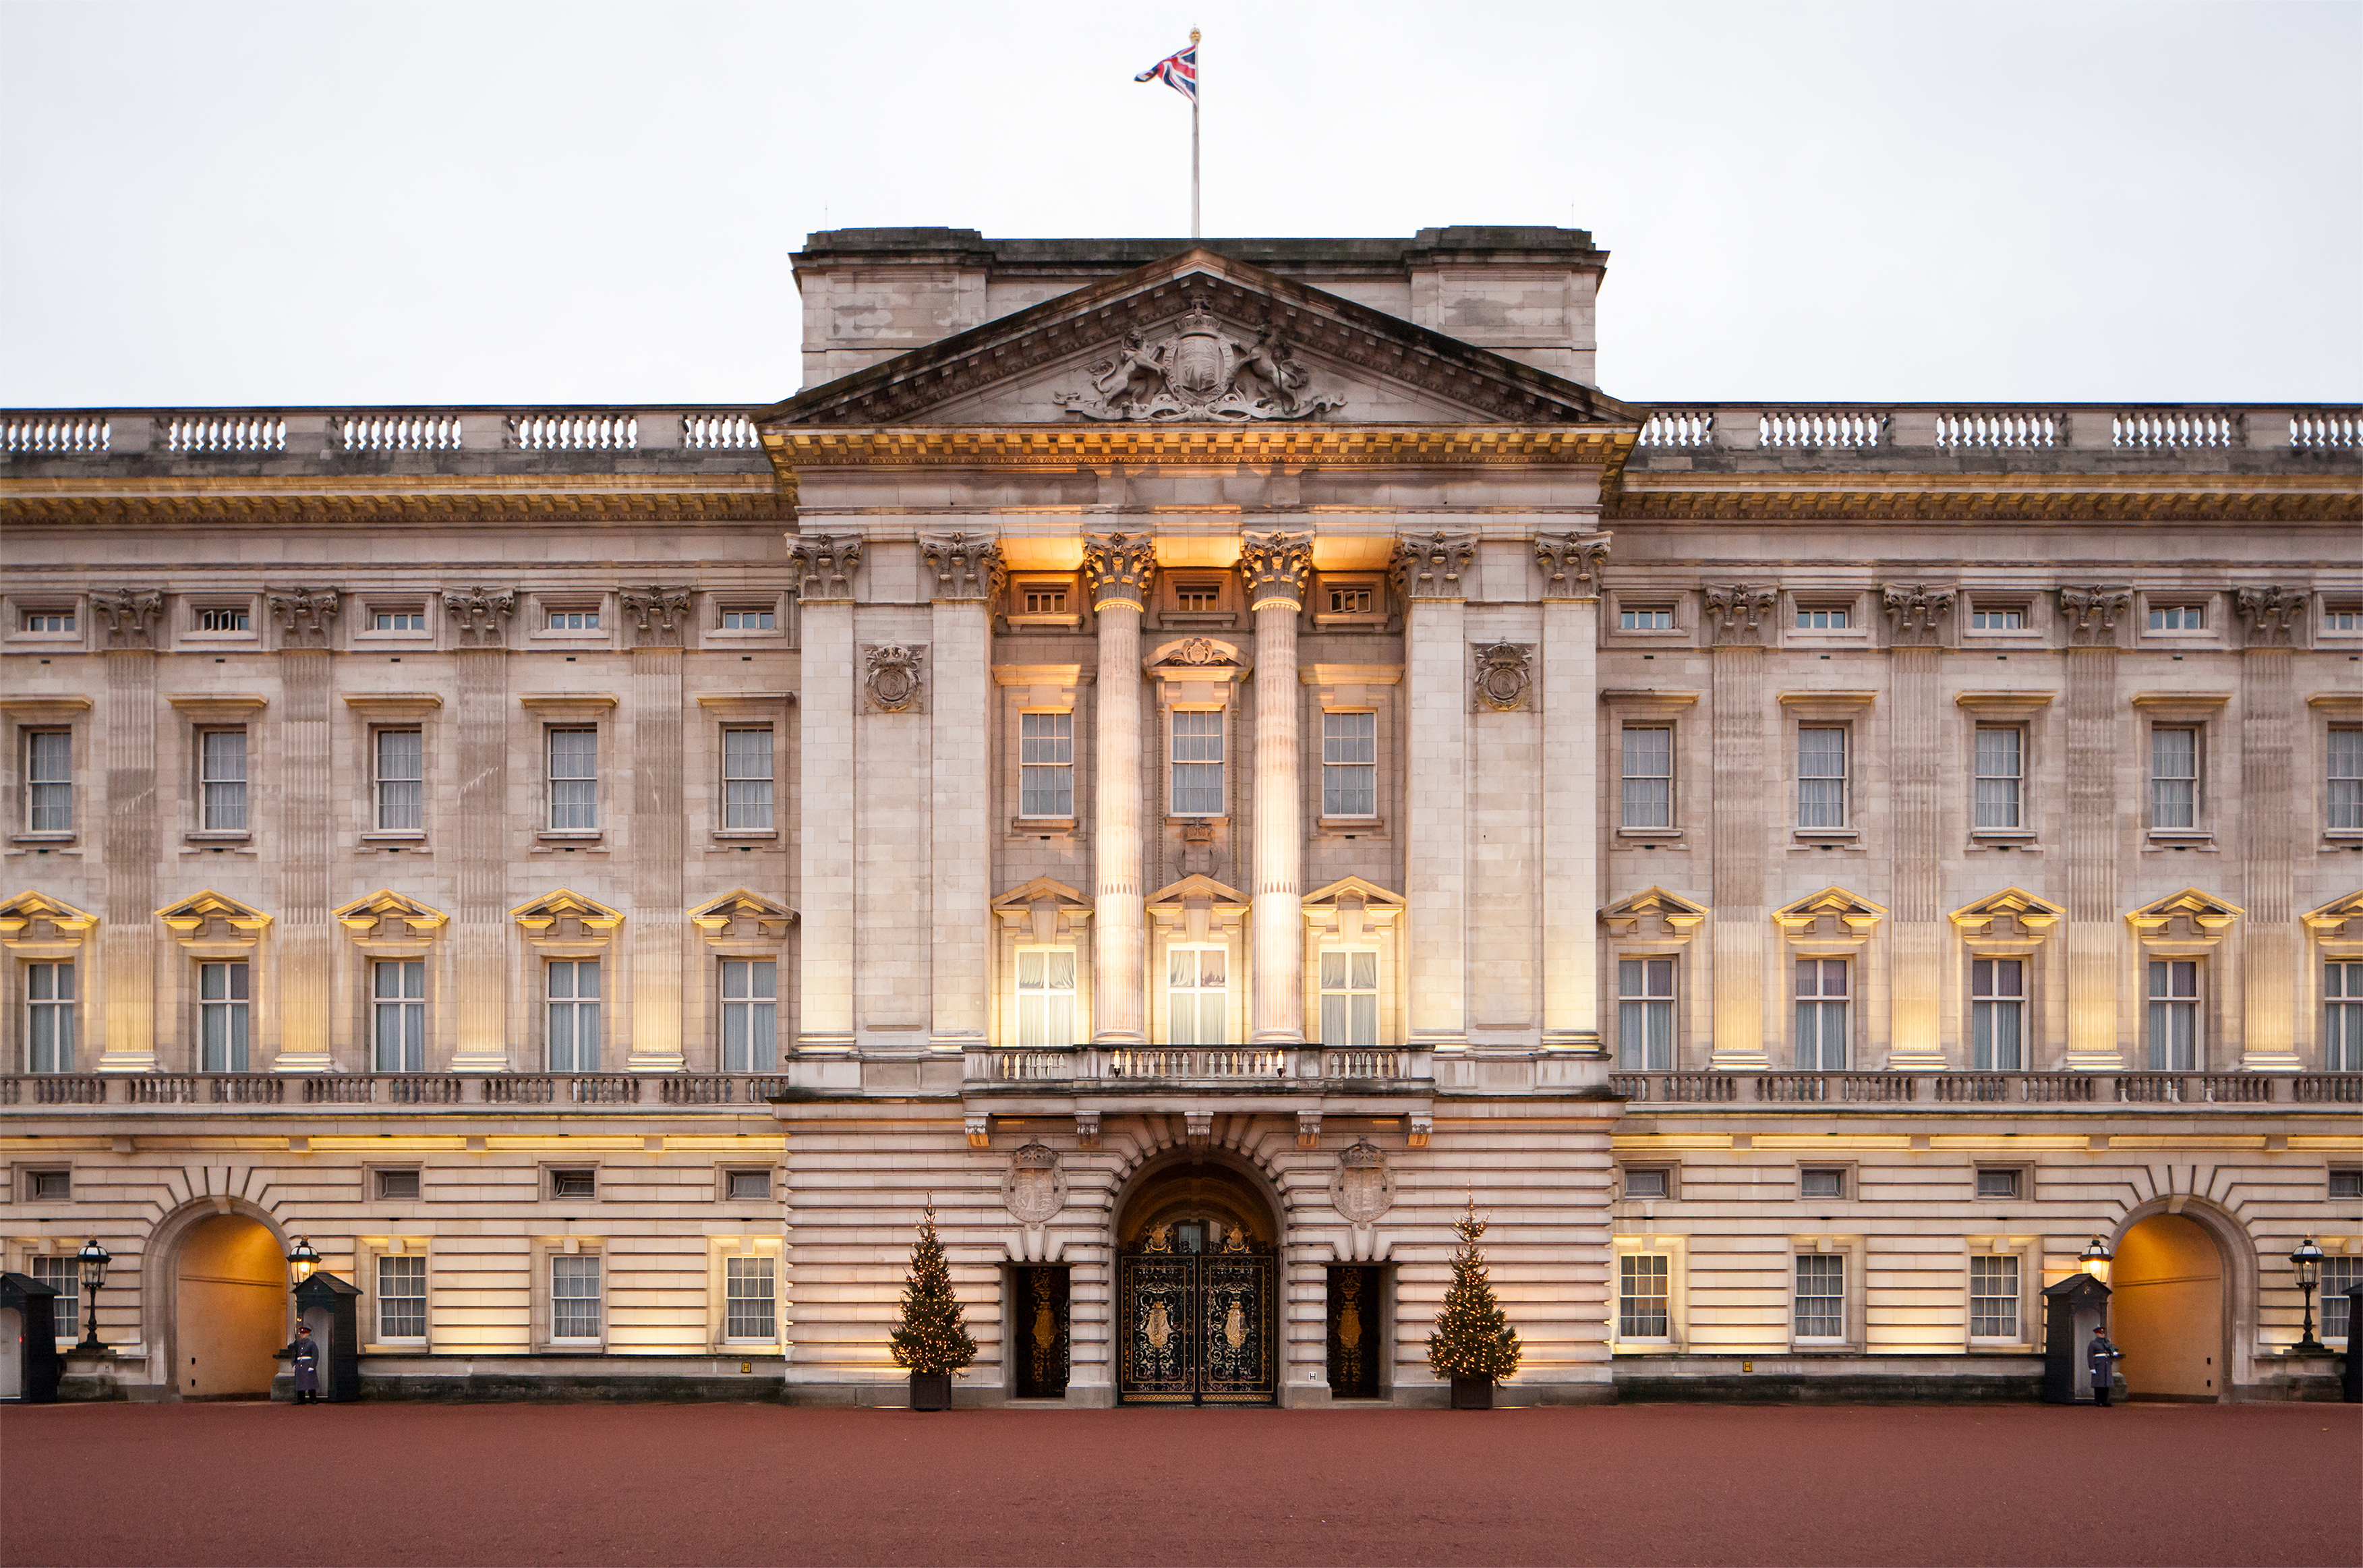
x=1114, y=1067
x=1831, y=430
x=109, y=1092
x=2112, y=1091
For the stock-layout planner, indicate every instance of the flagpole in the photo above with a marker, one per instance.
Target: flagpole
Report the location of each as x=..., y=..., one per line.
x=1199, y=86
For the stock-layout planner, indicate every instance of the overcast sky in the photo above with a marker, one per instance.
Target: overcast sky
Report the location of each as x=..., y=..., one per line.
x=595, y=202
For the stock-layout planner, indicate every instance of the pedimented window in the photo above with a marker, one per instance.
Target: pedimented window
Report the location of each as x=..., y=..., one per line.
x=1830, y=921
x=2189, y=923
x=564, y=924
x=212, y=924
x=743, y=921
x=2009, y=923
x=1654, y=916
x=388, y=925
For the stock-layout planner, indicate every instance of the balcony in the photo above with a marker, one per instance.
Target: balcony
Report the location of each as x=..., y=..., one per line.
x=1302, y=1068
x=1936, y=1090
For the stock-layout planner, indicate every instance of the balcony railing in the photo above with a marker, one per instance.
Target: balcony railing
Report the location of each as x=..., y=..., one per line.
x=296, y=1090
x=297, y=436
x=1853, y=428
x=1113, y=1066
x=1990, y=1088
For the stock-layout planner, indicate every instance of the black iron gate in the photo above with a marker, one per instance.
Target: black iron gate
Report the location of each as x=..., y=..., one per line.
x=1039, y=1303
x=1355, y=1332
x=1195, y=1328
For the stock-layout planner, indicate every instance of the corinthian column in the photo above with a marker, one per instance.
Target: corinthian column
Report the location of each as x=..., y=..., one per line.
x=967, y=568
x=660, y=843
x=1276, y=566
x=480, y=622
x=127, y=936
x=1571, y=787
x=1119, y=569
x=825, y=568
x=2268, y=838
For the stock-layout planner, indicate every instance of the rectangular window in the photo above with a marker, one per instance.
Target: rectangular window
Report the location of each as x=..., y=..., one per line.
x=49, y=621
x=2000, y=768
x=402, y=1298
x=575, y=780
x=1197, y=598
x=1046, y=765
x=48, y=781
x=2173, y=779
x=1821, y=777
x=1821, y=1295
x=222, y=620
x=574, y=1183
x=50, y=1018
x=64, y=1276
x=2346, y=791
x=2342, y=1019
x=1642, y=1280
x=1998, y=620
x=398, y=620
x=1648, y=1183
x=1349, y=996
x=1649, y=761
x=1822, y=620
x=747, y=1295
x=1653, y=618
x=1998, y=1013
x=2178, y=618
x=1198, y=762
x=575, y=1307
x=2346, y=1183
x=1045, y=998
x=396, y=1186
x=749, y=1187
x=401, y=781
x=1822, y=997
x=1044, y=598
x=2338, y=1277
x=747, y=781
x=1196, y=990
x=749, y=620
x=49, y=1186
x=222, y=1017
x=1350, y=764
x=750, y=1011
x=1644, y=1014
x=398, y=999
x=1993, y=1299
x=2345, y=618
x=2002, y=1183
x=222, y=780
x=1352, y=599
x=1823, y=1182
x=573, y=1015
x=2174, y=1038
x=574, y=621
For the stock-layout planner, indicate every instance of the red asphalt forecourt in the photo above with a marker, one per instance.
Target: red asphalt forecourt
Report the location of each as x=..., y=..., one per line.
x=757, y=1484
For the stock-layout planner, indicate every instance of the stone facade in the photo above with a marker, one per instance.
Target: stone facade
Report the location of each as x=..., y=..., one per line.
x=1201, y=762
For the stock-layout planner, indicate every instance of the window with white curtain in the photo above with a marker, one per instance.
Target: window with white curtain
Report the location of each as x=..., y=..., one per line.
x=1644, y=1014
x=2345, y=794
x=2000, y=769
x=1998, y=1013
x=1643, y=1295
x=48, y=781
x=1648, y=755
x=2174, y=1032
x=2173, y=778
x=1821, y=776
x=1349, y=996
x=1046, y=765
x=401, y=1298
x=2342, y=1018
x=747, y=781
x=223, y=1022
x=398, y=1001
x=401, y=781
x=1823, y=997
x=64, y=1276
x=1350, y=764
x=1045, y=998
x=1196, y=992
x=50, y=1018
x=750, y=1010
x=2338, y=1275
x=1821, y=1295
x=1197, y=762
x=574, y=1298
x=750, y=1298
x=573, y=1015
x=575, y=780
x=1993, y=1299
x=222, y=780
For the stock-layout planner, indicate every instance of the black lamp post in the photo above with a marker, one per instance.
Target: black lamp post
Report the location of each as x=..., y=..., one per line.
x=303, y=1259
x=2096, y=1258
x=93, y=1258
x=2308, y=1259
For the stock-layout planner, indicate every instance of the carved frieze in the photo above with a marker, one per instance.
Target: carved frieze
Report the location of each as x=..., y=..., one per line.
x=1361, y=1189
x=2092, y=613
x=2270, y=614
x=1119, y=569
x=893, y=674
x=1739, y=614
x=1506, y=675
x=1197, y=370
x=825, y=565
x=659, y=616
x=1571, y=564
x=1276, y=566
x=967, y=566
x=1033, y=1189
x=481, y=615
x=131, y=615
x=304, y=615
x=1915, y=613
x=1429, y=566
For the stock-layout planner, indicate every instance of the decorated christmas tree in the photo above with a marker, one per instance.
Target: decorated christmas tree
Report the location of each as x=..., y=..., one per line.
x=931, y=1339
x=1471, y=1337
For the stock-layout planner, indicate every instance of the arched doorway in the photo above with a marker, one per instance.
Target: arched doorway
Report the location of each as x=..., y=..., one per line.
x=230, y=1308
x=2166, y=1309
x=1197, y=1287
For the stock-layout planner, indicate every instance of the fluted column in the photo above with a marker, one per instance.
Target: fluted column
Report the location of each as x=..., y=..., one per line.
x=658, y=932
x=1571, y=567
x=2268, y=832
x=127, y=932
x=1917, y=930
x=1741, y=927
x=2091, y=838
x=1276, y=566
x=966, y=568
x=478, y=922
x=1430, y=569
x=824, y=569
x=1119, y=569
x=305, y=939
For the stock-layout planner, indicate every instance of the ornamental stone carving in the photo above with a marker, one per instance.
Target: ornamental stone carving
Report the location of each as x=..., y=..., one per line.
x=1276, y=566
x=1914, y=612
x=1119, y=568
x=659, y=616
x=894, y=678
x=1197, y=372
x=481, y=615
x=1571, y=564
x=1035, y=1189
x=825, y=565
x=1506, y=675
x=1362, y=1189
x=1739, y=614
x=131, y=615
x=2270, y=613
x=967, y=566
x=1429, y=566
x=2091, y=613
x=304, y=615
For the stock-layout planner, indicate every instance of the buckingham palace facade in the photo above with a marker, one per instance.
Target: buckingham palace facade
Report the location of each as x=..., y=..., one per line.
x=1201, y=761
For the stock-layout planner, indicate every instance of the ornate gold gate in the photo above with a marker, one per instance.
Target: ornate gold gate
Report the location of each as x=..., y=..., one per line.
x=1194, y=1326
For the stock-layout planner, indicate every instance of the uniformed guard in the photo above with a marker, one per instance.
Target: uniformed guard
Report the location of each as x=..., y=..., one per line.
x=2101, y=1356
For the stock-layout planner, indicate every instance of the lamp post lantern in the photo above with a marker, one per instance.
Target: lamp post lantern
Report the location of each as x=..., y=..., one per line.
x=2308, y=1259
x=303, y=1259
x=2096, y=1258
x=94, y=1260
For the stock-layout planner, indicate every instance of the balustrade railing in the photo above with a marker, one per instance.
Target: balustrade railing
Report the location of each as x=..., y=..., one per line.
x=1819, y=428
x=1678, y=428
x=718, y=432
x=2326, y=432
x=2176, y=429
x=574, y=432
x=1991, y=1088
x=187, y=435
x=57, y=435
x=2005, y=429
x=399, y=432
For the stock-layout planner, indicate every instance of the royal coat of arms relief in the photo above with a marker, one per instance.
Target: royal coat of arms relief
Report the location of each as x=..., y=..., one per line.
x=1199, y=372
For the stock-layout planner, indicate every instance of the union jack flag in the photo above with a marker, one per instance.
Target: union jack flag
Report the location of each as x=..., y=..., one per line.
x=1179, y=72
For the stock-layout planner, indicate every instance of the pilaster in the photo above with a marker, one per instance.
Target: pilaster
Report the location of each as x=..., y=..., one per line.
x=824, y=569
x=1915, y=933
x=966, y=568
x=1571, y=565
x=304, y=942
x=2092, y=838
x=1276, y=566
x=2269, y=936
x=1430, y=570
x=1119, y=568
x=128, y=935
x=658, y=933
x=479, y=932
x=1739, y=929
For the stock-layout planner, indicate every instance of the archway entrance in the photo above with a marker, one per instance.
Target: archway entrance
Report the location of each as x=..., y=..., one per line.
x=1197, y=1283
x=2166, y=1309
x=230, y=1308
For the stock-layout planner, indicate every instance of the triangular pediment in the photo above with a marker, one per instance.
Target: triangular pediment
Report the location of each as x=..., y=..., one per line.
x=2337, y=914
x=1849, y=911
x=1174, y=894
x=384, y=905
x=1044, y=910
x=1347, y=888
x=1678, y=915
x=2203, y=913
x=1196, y=339
x=192, y=912
x=742, y=904
x=18, y=913
x=566, y=905
x=2033, y=914
x=1042, y=890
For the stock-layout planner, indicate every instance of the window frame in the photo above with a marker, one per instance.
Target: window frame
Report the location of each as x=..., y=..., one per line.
x=31, y=736
x=1015, y=615
x=31, y=1177
x=2018, y=827
x=1843, y=778
x=2015, y=1335
x=2021, y=1178
x=769, y=749
x=2341, y=1015
x=753, y=1005
x=552, y=779
x=236, y=1012
x=380, y=782
x=395, y=608
x=1349, y=992
x=731, y=1318
x=555, y=1173
x=378, y=1298
x=2332, y=780
x=410, y=1012
x=1221, y=762
x=206, y=782
x=1028, y=764
x=1669, y=1172
x=2194, y=781
x=1214, y=944
x=574, y=1001
x=1368, y=770
x=1823, y=1000
x=727, y=1176
x=1848, y=1277
x=1663, y=1274
x=63, y=1012
x=2158, y=613
x=1043, y=994
x=377, y=1184
x=1985, y=1006
x=2347, y=1263
x=200, y=610
x=2160, y=1054
x=1626, y=778
x=1844, y=1173
x=62, y=1271
x=1648, y=1000
x=547, y=1271
x=42, y=608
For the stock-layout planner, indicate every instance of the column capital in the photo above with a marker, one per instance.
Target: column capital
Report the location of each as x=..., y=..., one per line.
x=2092, y=613
x=1119, y=569
x=304, y=615
x=659, y=616
x=1915, y=613
x=967, y=565
x=1571, y=564
x=2269, y=614
x=825, y=564
x=1429, y=566
x=1276, y=566
x=130, y=614
x=481, y=615
x=1739, y=614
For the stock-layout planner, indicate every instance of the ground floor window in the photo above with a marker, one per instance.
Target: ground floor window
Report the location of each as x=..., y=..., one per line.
x=1821, y=1297
x=747, y=1292
x=65, y=1275
x=574, y=1299
x=1993, y=1299
x=2338, y=1275
x=402, y=1298
x=1642, y=1280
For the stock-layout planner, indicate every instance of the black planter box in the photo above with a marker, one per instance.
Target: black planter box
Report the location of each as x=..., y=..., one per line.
x=931, y=1390
x=1472, y=1394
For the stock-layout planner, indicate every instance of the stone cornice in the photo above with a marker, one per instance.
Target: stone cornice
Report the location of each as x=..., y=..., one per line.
x=1062, y=446
x=2066, y=497
x=505, y=499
